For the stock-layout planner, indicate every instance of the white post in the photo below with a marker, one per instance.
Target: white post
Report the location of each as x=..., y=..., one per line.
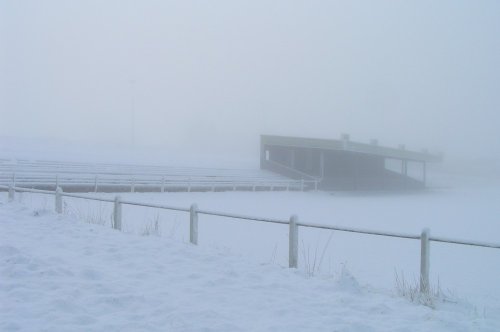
x=59, y=201
x=162, y=184
x=117, y=214
x=95, y=184
x=424, y=261
x=193, y=224
x=57, y=181
x=293, y=245
x=12, y=193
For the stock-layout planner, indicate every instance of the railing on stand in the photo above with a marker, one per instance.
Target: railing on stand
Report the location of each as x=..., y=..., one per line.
x=83, y=182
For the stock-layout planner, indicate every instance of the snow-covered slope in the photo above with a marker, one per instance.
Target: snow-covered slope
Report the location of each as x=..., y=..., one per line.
x=60, y=274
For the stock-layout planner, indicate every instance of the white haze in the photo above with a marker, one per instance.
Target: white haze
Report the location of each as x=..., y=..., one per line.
x=212, y=75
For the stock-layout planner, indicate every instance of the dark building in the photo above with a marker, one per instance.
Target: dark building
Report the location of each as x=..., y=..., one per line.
x=343, y=164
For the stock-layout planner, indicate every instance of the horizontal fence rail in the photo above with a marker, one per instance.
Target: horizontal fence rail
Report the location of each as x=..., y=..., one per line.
x=239, y=216
x=82, y=182
x=361, y=231
x=293, y=224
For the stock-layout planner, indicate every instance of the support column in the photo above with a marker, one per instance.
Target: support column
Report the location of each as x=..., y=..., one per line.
x=404, y=167
x=262, y=155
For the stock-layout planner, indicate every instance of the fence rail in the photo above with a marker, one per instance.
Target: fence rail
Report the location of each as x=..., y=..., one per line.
x=134, y=182
x=293, y=224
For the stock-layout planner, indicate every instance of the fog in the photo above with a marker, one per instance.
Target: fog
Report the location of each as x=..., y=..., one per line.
x=212, y=76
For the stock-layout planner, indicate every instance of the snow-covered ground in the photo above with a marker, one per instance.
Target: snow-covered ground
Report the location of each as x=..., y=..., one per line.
x=61, y=274
x=74, y=272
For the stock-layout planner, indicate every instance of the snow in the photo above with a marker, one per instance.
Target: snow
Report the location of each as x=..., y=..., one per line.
x=60, y=273
x=74, y=273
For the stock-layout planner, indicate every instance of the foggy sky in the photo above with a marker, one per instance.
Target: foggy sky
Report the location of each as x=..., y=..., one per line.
x=213, y=75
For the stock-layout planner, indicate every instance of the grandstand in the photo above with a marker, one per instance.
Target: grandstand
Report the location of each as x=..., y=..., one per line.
x=343, y=164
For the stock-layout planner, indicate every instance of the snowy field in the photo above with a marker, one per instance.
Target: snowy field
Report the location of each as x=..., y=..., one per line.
x=60, y=274
x=74, y=272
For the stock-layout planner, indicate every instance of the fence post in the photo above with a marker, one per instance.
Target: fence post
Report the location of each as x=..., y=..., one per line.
x=12, y=193
x=424, y=261
x=193, y=224
x=117, y=214
x=162, y=184
x=57, y=181
x=95, y=184
x=293, y=245
x=59, y=202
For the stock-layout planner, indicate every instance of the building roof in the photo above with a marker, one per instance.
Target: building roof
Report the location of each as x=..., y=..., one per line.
x=348, y=145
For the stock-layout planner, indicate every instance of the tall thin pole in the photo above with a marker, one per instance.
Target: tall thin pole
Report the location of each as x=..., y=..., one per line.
x=132, y=112
x=424, y=170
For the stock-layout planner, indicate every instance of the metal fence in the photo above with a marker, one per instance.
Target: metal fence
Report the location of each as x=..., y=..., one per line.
x=81, y=182
x=85, y=177
x=293, y=225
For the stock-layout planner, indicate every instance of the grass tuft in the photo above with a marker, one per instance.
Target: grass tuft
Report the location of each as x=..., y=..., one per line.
x=152, y=227
x=313, y=260
x=410, y=289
